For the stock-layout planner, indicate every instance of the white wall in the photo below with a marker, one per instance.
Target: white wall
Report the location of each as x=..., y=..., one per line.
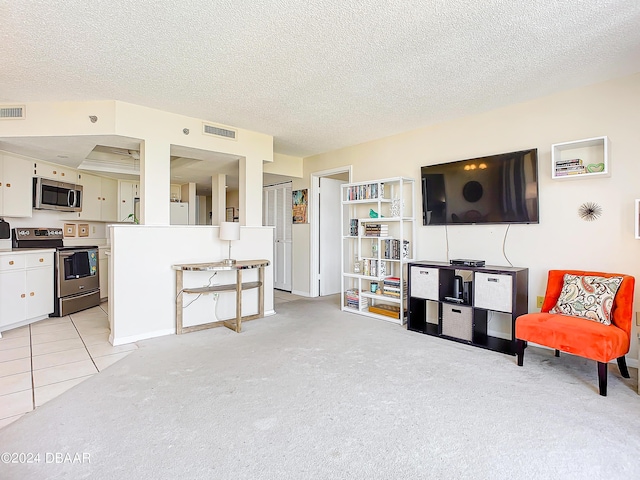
x=142, y=284
x=561, y=239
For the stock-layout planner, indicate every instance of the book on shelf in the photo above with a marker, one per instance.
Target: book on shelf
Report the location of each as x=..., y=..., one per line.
x=353, y=227
x=572, y=161
x=392, y=311
x=391, y=249
x=392, y=287
x=376, y=230
x=370, y=191
x=577, y=168
x=353, y=299
x=572, y=172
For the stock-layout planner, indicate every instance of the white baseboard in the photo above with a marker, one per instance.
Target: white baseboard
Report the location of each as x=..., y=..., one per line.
x=136, y=338
x=300, y=293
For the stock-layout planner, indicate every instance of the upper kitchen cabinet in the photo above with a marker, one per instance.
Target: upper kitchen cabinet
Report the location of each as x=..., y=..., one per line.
x=55, y=172
x=175, y=192
x=100, y=198
x=15, y=187
x=129, y=192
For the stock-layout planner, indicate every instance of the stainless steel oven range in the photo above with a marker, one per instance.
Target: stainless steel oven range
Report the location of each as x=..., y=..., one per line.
x=76, y=275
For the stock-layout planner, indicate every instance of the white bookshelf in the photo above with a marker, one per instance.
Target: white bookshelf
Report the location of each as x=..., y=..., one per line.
x=382, y=257
x=580, y=159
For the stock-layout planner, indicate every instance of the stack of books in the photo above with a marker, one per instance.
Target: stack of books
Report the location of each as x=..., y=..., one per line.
x=391, y=249
x=391, y=287
x=373, y=268
x=353, y=227
x=353, y=299
x=569, y=167
x=365, y=192
x=376, y=230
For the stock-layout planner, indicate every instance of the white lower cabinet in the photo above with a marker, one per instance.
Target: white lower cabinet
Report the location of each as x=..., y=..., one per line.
x=26, y=288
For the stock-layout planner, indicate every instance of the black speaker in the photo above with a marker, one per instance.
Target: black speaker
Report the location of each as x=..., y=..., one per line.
x=457, y=286
x=466, y=292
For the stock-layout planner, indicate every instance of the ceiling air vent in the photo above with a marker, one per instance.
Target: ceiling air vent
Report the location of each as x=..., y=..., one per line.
x=216, y=131
x=12, y=112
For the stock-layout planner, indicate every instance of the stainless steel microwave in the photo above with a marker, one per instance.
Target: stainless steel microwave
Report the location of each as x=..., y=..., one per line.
x=53, y=195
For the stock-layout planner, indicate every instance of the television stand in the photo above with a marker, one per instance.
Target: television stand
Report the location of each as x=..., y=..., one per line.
x=494, y=291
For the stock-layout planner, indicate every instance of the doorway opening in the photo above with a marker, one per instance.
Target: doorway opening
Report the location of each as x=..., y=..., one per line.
x=326, y=230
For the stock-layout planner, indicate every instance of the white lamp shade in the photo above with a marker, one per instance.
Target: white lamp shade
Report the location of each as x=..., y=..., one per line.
x=229, y=230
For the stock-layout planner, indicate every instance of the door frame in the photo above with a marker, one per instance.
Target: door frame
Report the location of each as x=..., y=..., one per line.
x=314, y=217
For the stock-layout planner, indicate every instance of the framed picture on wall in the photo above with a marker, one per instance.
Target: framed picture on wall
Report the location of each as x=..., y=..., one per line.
x=300, y=206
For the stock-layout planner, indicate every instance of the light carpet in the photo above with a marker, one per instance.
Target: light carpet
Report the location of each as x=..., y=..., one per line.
x=316, y=393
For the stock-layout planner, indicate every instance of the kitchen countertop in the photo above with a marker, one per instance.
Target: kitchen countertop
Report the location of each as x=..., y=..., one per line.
x=26, y=250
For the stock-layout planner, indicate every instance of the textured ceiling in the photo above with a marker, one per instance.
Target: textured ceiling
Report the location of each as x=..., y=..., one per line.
x=316, y=75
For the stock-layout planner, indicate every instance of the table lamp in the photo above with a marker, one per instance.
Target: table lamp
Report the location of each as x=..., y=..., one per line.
x=229, y=231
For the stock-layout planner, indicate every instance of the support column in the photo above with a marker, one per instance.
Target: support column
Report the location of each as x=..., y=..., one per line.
x=155, y=177
x=251, y=191
x=218, y=198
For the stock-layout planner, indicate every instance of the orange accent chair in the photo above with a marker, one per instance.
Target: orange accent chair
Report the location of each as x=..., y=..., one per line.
x=580, y=336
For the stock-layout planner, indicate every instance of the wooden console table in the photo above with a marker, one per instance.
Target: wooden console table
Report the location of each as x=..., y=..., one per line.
x=238, y=267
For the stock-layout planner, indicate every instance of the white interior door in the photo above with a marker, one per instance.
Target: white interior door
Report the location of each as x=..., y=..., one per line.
x=277, y=212
x=330, y=236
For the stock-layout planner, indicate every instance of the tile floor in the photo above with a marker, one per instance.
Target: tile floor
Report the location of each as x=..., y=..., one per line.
x=40, y=361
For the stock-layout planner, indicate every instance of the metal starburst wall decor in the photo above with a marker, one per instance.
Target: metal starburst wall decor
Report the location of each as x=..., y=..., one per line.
x=589, y=211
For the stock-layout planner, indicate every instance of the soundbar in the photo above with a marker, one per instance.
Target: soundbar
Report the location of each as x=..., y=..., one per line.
x=467, y=262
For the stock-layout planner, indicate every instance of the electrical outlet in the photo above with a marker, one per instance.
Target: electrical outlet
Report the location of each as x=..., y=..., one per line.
x=93, y=229
x=539, y=301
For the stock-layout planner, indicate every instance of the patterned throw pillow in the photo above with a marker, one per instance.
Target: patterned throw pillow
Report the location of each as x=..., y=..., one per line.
x=587, y=296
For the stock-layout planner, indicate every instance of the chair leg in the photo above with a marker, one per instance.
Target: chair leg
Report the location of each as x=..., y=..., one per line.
x=557, y=353
x=622, y=365
x=602, y=378
x=520, y=351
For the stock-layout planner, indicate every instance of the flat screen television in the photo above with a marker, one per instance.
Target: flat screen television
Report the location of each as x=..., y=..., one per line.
x=495, y=189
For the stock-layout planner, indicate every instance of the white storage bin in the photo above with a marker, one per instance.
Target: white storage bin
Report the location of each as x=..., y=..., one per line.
x=424, y=283
x=493, y=292
x=457, y=321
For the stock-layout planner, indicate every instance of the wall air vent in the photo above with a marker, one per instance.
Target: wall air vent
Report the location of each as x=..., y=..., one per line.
x=12, y=112
x=216, y=131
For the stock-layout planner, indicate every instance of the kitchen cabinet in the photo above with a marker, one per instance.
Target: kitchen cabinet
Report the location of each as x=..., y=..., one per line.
x=55, y=172
x=100, y=196
x=175, y=192
x=128, y=193
x=26, y=287
x=15, y=187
